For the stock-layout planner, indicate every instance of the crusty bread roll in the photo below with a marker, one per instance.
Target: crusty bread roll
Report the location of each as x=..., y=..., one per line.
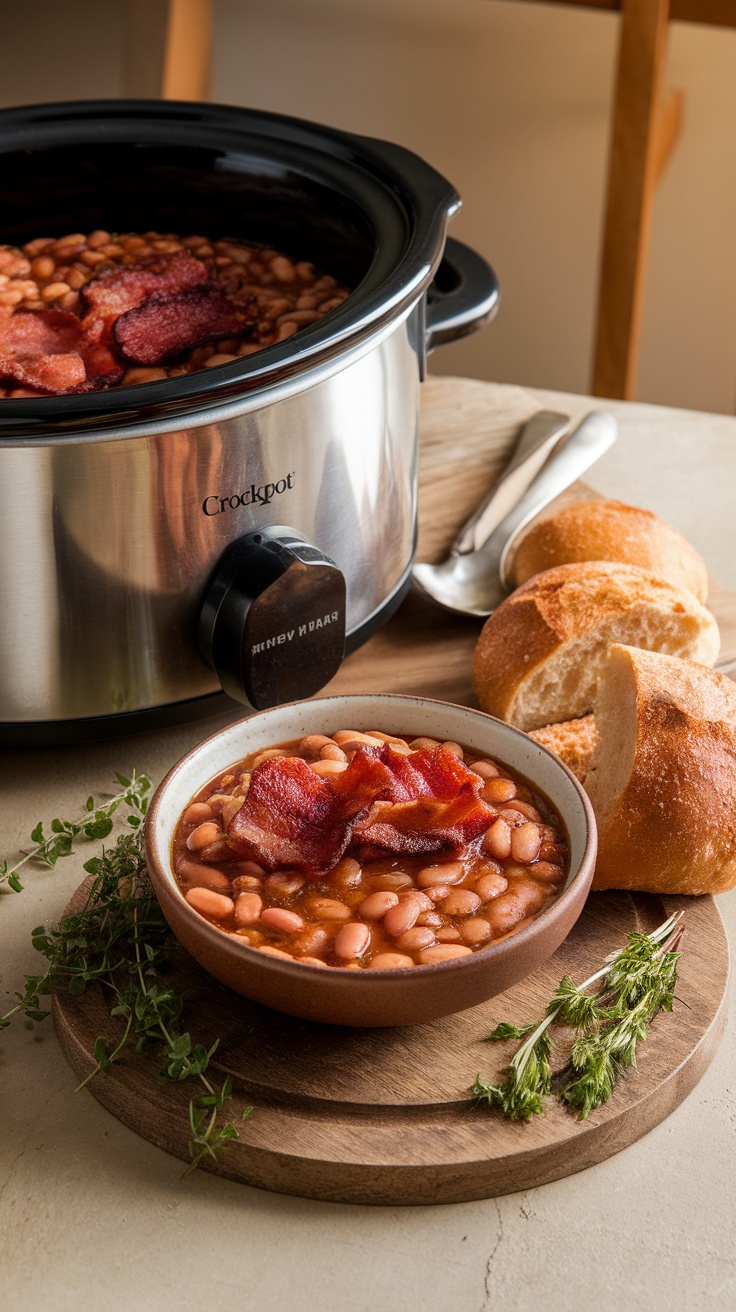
x=663, y=780
x=610, y=530
x=574, y=741
x=538, y=658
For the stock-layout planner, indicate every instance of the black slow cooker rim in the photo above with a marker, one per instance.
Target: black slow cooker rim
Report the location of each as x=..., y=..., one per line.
x=372, y=173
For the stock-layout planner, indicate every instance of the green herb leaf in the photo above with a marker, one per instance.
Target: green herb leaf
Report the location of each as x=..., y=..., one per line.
x=609, y=1024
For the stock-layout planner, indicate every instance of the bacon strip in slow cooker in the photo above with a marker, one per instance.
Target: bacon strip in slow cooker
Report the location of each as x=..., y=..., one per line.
x=46, y=350
x=119, y=290
x=292, y=817
x=165, y=325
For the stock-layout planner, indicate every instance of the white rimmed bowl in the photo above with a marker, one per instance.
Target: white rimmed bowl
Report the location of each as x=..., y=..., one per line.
x=371, y=997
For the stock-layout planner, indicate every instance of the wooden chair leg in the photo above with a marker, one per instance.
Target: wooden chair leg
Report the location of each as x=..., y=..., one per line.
x=186, y=74
x=635, y=159
x=167, y=49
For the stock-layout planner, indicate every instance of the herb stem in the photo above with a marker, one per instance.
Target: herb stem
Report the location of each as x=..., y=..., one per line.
x=637, y=981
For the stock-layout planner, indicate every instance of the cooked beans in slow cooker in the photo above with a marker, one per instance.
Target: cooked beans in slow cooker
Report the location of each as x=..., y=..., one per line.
x=228, y=299
x=369, y=850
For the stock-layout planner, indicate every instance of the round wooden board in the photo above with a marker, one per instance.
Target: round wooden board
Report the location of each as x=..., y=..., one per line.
x=384, y=1116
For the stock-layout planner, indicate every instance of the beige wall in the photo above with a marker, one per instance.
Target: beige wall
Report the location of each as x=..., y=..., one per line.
x=512, y=102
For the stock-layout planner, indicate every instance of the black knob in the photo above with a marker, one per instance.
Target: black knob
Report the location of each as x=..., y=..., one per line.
x=272, y=626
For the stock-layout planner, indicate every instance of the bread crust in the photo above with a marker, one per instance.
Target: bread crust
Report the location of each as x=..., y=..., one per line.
x=574, y=741
x=553, y=610
x=671, y=828
x=612, y=531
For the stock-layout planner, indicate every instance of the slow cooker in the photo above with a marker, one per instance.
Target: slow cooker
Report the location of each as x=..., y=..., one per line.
x=172, y=548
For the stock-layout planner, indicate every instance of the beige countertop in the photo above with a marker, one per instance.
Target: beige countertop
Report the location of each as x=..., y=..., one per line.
x=94, y=1217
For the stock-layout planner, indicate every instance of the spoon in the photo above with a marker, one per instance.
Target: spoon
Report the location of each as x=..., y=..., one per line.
x=475, y=581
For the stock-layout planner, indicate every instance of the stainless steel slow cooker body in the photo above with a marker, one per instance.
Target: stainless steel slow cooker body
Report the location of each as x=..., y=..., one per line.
x=120, y=511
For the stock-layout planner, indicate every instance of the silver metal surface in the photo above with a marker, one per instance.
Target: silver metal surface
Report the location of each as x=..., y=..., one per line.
x=536, y=440
x=108, y=543
x=475, y=583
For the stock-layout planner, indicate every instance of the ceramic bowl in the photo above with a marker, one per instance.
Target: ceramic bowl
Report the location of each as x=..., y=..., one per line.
x=372, y=997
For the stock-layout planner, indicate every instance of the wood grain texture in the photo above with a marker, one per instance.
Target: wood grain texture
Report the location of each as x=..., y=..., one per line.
x=375, y=1116
x=384, y=1116
x=632, y=176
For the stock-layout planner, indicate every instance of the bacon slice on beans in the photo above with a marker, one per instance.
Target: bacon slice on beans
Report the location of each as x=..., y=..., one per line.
x=119, y=290
x=165, y=325
x=434, y=804
x=428, y=802
x=46, y=350
x=291, y=817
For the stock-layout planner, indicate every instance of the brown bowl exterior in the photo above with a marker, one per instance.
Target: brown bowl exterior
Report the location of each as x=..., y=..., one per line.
x=367, y=997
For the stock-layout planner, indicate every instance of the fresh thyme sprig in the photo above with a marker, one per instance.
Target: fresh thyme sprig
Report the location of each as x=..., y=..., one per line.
x=637, y=982
x=120, y=941
x=95, y=822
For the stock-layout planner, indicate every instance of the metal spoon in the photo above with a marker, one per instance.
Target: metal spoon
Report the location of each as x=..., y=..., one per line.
x=474, y=582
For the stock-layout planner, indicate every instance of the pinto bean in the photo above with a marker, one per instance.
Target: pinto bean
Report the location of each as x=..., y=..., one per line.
x=248, y=908
x=313, y=744
x=313, y=941
x=328, y=908
x=526, y=842
x=451, y=873
x=460, y=902
x=209, y=903
x=352, y=940
x=199, y=876
x=420, y=936
x=375, y=906
x=522, y=900
x=196, y=813
x=422, y=900
x=390, y=961
x=284, y=884
x=286, y=922
x=401, y=917
x=497, y=841
x=355, y=738
x=347, y=873
x=499, y=790
x=475, y=930
x=331, y=752
x=491, y=885
x=326, y=768
x=546, y=870
x=393, y=880
x=203, y=836
x=443, y=952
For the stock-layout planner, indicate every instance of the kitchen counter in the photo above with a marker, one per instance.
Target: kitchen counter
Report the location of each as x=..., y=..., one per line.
x=96, y=1218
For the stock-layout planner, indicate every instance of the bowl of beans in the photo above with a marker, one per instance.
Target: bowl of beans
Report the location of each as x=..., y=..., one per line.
x=370, y=860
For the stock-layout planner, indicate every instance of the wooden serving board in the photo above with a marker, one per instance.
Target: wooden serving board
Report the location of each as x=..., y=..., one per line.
x=384, y=1116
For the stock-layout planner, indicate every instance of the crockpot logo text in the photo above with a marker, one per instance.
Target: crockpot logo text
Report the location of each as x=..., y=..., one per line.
x=252, y=496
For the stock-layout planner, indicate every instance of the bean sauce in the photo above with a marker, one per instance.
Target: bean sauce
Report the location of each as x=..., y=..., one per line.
x=385, y=912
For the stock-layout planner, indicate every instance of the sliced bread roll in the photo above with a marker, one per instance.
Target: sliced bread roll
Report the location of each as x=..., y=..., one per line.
x=610, y=530
x=574, y=741
x=663, y=780
x=539, y=656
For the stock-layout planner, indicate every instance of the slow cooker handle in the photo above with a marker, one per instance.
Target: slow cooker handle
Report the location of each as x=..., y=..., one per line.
x=463, y=296
x=272, y=625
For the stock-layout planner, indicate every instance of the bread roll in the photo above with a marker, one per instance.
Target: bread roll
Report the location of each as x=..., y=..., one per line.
x=539, y=656
x=663, y=780
x=574, y=741
x=609, y=530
